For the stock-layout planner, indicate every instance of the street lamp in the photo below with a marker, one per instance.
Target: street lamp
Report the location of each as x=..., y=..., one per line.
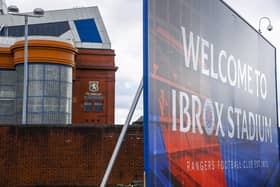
x=37, y=13
x=269, y=27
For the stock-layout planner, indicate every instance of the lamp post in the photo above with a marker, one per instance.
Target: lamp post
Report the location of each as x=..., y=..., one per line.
x=37, y=13
x=269, y=27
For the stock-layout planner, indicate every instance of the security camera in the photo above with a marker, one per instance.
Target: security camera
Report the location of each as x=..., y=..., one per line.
x=269, y=27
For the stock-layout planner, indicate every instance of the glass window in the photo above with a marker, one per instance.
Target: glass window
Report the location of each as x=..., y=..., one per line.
x=69, y=118
x=8, y=77
x=7, y=91
x=87, y=106
x=98, y=97
x=19, y=105
x=19, y=118
x=19, y=69
x=98, y=107
x=66, y=74
x=51, y=104
x=7, y=107
x=43, y=29
x=65, y=105
x=35, y=72
x=35, y=104
x=69, y=105
x=34, y=118
x=35, y=88
x=49, y=94
x=52, y=88
x=66, y=90
x=63, y=118
x=19, y=91
x=52, y=72
x=7, y=120
x=51, y=118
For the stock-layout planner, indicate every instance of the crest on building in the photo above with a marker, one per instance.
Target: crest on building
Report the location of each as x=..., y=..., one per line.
x=93, y=86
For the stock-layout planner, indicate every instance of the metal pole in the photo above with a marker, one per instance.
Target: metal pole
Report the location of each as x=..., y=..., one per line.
x=25, y=74
x=121, y=137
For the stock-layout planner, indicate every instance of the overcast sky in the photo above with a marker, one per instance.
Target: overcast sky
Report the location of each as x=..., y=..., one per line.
x=123, y=20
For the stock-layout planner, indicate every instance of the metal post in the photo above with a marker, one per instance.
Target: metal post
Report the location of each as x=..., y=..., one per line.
x=2, y=27
x=25, y=74
x=121, y=137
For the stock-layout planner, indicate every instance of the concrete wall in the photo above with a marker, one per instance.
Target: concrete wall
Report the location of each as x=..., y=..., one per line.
x=68, y=156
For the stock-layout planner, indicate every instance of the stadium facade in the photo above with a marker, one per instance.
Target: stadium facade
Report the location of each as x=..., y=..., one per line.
x=71, y=80
x=71, y=77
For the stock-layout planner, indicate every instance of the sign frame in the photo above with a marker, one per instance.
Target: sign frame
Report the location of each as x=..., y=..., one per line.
x=146, y=71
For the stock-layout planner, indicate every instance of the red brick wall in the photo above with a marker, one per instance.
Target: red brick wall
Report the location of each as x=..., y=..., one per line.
x=68, y=156
x=94, y=65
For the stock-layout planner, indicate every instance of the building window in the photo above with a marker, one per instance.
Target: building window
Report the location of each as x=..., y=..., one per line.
x=98, y=106
x=49, y=93
x=7, y=97
x=87, y=106
x=42, y=29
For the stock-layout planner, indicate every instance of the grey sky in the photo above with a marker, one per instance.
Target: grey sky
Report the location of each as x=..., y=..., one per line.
x=252, y=10
x=123, y=20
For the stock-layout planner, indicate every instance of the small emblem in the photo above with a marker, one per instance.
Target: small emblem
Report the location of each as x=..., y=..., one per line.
x=208, y=117
x=93, y=86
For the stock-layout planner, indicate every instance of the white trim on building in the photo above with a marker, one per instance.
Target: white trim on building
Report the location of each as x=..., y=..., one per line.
x=69, y=15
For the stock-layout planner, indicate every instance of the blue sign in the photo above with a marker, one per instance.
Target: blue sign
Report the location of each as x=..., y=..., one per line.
x=210, y=103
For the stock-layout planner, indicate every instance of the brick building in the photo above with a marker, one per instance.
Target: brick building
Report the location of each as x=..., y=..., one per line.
x=71, y=69
x=71, y=96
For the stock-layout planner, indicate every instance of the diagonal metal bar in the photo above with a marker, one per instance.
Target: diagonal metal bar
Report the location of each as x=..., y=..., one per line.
x=121, y=137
